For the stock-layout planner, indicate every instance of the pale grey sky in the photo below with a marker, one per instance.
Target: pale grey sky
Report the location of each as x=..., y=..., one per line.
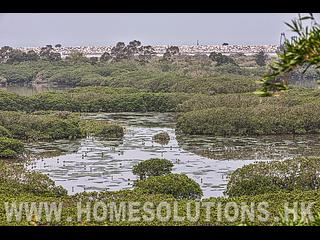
x=74, y=29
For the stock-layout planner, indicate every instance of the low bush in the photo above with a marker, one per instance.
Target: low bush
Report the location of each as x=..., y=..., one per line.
x=16, y=180
x=13, y=102
x=4, y=132
x=267, y=177
x=10, y=148
x=162, y=138
x=180, y=186
x=39, y=125
x=103, y=129
x=152, y=167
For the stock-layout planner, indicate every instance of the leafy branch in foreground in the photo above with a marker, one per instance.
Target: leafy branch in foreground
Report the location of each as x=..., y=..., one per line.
x=302, y=51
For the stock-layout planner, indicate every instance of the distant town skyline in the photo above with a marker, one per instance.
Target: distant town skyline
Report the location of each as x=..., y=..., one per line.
x=98, y=29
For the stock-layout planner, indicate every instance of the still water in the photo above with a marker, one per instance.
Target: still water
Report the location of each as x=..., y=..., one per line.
x=93, y=164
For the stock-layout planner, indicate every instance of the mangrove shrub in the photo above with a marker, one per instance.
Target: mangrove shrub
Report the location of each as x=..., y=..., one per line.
x=10, y=148
x=179, y=186
x=300, y=174
x=152, y=167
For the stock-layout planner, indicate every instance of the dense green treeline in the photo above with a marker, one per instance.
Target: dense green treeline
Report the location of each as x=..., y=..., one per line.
x=156, y=76
x=90, y=101
x=94, y=100
x=267, y=120
x=41, y=126
x=50, y=125
x=293, y=112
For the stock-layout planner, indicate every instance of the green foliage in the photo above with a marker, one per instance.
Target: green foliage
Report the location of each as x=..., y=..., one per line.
x=10, y=55
x=203, y=101
x=16, y=180
x=180, y=75
x=107, y=100
x=13, y=102
x=38, y=126
x=152, y=167
x=266, y=177
x=302, y=51
x=290, y=98
x=179, y=186
x=260, y=120
x=77, y=57
x=221, y=59
x=162, y=138
x=276, y=202
x=10, y=148
x=261, y=58
x=102, y=129
x=48, y=53
x=18, y=186
x=4, y=132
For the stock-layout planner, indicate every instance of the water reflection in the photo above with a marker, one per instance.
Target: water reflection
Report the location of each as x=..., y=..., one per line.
x=93, y=164
x=258, y=148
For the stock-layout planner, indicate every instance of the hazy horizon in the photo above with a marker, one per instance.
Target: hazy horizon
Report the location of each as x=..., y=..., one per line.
x=100, y=29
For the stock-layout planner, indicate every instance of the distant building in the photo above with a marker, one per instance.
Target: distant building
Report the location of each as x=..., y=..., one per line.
x=225, y=48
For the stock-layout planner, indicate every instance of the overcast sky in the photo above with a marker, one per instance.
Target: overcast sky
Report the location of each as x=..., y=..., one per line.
x=75, y=29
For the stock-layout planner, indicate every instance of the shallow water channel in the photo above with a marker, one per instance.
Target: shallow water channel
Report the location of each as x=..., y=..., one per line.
x=92, y=164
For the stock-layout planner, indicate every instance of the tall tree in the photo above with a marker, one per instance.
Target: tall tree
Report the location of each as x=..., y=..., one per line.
x=48, y=53
x=146, y=53
x=77, y=57
x=119, y=51
x=261, y=58
x=171, y=52
x=221, y=59
x=105, y=57
x=5, y=53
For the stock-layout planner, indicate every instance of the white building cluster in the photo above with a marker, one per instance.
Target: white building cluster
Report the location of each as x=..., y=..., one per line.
x=97, y=51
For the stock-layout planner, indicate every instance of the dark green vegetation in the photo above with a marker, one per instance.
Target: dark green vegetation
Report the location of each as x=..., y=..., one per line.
x=94, y=99
x=17, y=181
x=41, y=125
x=103, y=129
x=293, y=112
x=221, y=59
x=252, y=121
x=107, y=100
x=10, y=148
x=4, y=132
x=161, y=138
x=177, y=185
x=276, y=203
x=182, y=75
x=156, y=178
x=300, y=174
x=19, y=185
x=152, y=167
x=49, y=125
